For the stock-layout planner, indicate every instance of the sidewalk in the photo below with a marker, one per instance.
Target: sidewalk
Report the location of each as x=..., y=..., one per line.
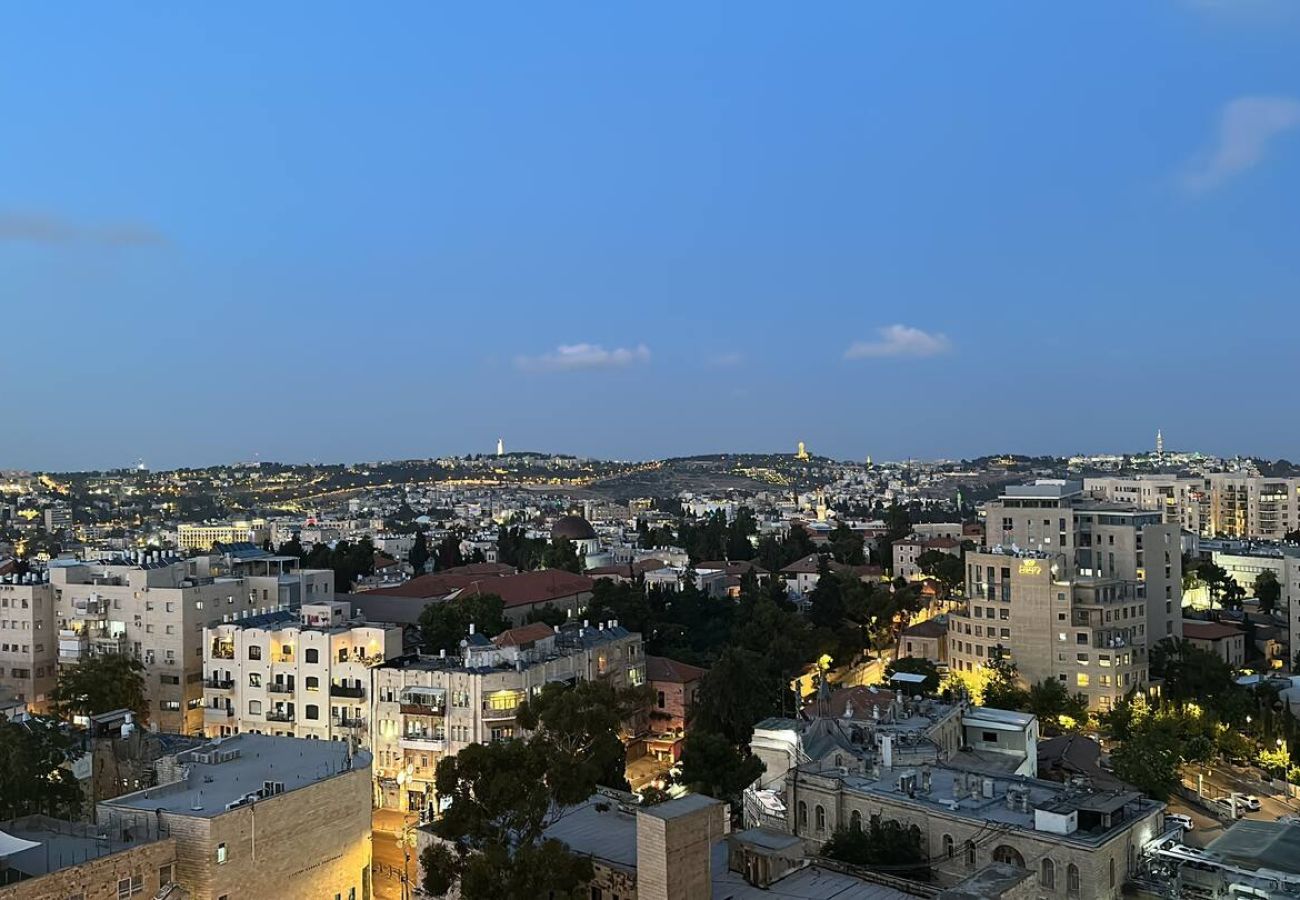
x=391, y=821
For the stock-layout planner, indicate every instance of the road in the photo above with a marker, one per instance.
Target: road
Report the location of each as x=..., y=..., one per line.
x=1219, y=781
x=386, y=855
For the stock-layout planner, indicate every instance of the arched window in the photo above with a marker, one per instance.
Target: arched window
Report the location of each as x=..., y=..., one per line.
x=313, y=683
x=1047, y=875
x=803, y=814
x=821, y=818
x=855, y=820
x=971, y=857
x=947, y=846
x=1010, y=855
x=313, y=655
x=1072, y=886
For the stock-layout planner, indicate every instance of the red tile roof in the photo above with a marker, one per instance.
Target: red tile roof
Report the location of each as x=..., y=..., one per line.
x=1209, y=631
x=524, y=634
x=531, y=588
x=661, y=668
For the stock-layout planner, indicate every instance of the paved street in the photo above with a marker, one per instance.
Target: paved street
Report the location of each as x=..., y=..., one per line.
x=1220, y=781
x=386, y=854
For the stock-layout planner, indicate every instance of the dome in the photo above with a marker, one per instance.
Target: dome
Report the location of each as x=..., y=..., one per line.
x=575, y=528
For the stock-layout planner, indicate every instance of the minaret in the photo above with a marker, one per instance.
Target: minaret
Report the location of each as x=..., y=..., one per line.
x=501, y=447
x=1160, y=445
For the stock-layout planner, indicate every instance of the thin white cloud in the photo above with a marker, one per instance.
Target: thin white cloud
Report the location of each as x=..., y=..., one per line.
x=727, y=360
x=1247, y=126
x=37, y=228
x=573, y=357
x=900, y=340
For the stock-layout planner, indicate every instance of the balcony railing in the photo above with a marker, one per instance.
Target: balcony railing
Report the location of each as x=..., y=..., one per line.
x=349, y=722
x=279, y=715
x=223, y=653
x=421, y=709
x=279, y=687
x=218, y=712
x=508, y=712
x=421, y=742
x=219, y=684
x=342, y=690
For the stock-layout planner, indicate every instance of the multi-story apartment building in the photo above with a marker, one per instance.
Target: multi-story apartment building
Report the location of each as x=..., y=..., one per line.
x=298, y=672
x=1220, y=504
x=426, y=707
x=1072, y=589
x=155, y=607
x=206, y=535
x=1181, y=500
x=28, y=640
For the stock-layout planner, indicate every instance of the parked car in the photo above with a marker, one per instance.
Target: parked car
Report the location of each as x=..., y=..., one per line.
x=1236, y=810
x=1250, y=801
x=1182, y=821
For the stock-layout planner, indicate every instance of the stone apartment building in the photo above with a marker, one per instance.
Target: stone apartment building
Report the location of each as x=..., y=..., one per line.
x=299, y=672
x=53, y=859
x=426, y=707
x=1219, y=504
x=155, y=607
x=1072, y=588
x=206, y=535
x=261, y=816
x=1228, y=642
x=28, y=640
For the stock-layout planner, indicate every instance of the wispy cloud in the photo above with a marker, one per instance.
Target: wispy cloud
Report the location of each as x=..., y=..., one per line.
x=900, y=340
x=727, y=360
x=572, y=357
x=36, y=228
x=1247, y=126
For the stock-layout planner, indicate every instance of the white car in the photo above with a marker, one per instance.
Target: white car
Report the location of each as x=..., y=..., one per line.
x=1250, y=801
x=1182, y=821
x=1236, y=810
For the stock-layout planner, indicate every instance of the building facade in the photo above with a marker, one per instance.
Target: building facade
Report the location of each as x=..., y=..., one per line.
x=427, y=707
x=1073, y=589
x=28, y=640
x=298, y=672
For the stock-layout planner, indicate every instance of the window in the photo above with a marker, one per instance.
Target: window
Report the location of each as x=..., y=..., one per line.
x=971, y=854
x=803, y=814
x=254, y=707
x=821, y=818
x=1047, y=875
x=254, y=652
x=221, y=854
x=947, y=846
x=254, y=679
x=123, y=888
x=1081, y=679
x=1072, y=880
x=166, y=875
x=855, y=820
x=313, y=683
x=313, y=655
x=313, y=711
x=659, y=699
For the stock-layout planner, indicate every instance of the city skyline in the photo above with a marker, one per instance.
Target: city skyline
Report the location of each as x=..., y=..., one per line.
x=649, y=235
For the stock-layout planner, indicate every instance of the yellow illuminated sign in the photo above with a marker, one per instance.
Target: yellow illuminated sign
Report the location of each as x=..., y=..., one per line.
x=1030, y=567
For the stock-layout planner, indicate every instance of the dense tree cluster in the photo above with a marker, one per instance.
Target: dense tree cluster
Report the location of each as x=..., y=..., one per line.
x=349, y=561
x=101, y=684
x=881, y=845
x=444, y=625
x=34, y=777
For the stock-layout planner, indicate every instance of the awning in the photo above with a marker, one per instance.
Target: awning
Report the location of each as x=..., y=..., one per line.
x=10, y=845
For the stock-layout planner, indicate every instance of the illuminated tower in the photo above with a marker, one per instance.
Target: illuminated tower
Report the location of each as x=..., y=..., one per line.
x=1160, y=445
x=501, y=447
x=802, y=452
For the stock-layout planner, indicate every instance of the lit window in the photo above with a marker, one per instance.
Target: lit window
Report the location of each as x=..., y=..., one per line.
x=221, y=854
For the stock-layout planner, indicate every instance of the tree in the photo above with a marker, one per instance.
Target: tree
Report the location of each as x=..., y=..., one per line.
x=882, y=844
x=1055, y=708
x=291, y=547
x=419, y=555
x=447, y=554
x=580, y=725
x=846, y=545
x=916, y=665
x=1192, y=674
x=826, y=600
x=945, y=568
x=562, y=553
x=714, y=766
x=501, y=799
x=738, y=691
x=1268, y=591
x=1002, y=690
x=1149, y=759
x=444, y=624
x=100, y=684
x=33, y=775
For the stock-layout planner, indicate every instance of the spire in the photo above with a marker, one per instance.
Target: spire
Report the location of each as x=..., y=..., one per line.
x=823, y=696
x=1160, y=444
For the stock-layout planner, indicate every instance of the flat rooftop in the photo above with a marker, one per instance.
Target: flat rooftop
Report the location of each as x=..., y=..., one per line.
x=60, y=844
x=248, y=761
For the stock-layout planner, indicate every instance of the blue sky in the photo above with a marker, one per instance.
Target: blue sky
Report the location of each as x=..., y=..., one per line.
x=334, y=232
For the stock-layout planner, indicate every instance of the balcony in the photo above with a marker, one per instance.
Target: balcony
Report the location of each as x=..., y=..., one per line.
x=422, y=742
x=421, y=709
x=280, y=715
x=222, y=652
x=349, y=722
x=218, y=713
x=492, y=715
x=279, y=687
x=219, y=684
x=339, y=690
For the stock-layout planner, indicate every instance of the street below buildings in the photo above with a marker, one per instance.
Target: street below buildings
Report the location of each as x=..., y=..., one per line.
x=387, y=860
